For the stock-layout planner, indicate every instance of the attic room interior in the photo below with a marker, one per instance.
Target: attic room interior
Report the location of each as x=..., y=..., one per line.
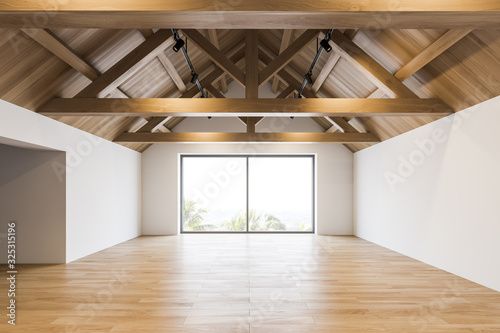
x=249, y=166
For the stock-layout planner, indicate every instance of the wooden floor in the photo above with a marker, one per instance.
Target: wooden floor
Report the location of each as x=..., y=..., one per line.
x=249, y=283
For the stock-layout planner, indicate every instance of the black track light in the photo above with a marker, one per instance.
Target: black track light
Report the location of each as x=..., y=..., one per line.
x=292, y=117
x=178, y=45
x=324, y=44
x=309, y=79
x=194, y=78
x=209, y=117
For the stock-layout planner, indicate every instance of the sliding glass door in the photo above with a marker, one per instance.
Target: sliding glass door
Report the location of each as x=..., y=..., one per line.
x=241, y=193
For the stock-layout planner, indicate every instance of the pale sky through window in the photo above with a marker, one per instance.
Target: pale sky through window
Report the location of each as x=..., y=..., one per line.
x=276, y=183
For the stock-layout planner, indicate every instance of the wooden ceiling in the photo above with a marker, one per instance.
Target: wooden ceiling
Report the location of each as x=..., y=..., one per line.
x=112, y=73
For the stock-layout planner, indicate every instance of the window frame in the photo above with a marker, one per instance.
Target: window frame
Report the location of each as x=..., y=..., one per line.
x=247, y=157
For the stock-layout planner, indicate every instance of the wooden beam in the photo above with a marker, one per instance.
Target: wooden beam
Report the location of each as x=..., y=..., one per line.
x=338, y=122
x=215, y=55
x=213, y=76
x=251, y=124
x=359, y=59
x=217, y=94
x=252, y=64
x=246, y=137
x=174, y=121
x=285, y=41
x=286, y=56
x=153, y=125
x=342, y=125
x=244, y=107
x=256, y=14
x=167, y=64
x=443, y=43
x=147, y=32
x=251, y=72
x=325, y=71
x=214, y=91
x=431, y=52
x=287, y=92
x=207, y=81
x=55, y=45
x=212, y=36
x=122, y=70
x=351, y=33
x=172, y=71
x=135, y=124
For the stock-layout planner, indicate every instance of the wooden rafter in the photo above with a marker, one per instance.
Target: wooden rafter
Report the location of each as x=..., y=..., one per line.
x=135, y=124
x=310, y=107
x=293, y=85
x=286, y=92
x=377, y=74
x=247, y=137
x=122, y=70
x=212, y=36
x=286, y=56
x=153, y=125
x=214, y=91
x=443, y=43
x=211, y=77
x=252, y=64
x=55, y=45
x=325, y=71
x=447, y=40
x=351, y=33
x=167, y=64
x=215, y=55
x=342, y=125
x=251, y=72
x=326, y=122
x=256, y=14
x=207, y=82
x=285, y=41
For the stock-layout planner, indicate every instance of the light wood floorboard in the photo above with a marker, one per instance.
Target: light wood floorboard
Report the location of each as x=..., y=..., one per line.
x=248, y=283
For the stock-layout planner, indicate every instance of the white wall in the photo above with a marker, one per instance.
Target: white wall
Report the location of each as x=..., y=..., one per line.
x=33, y=197
x=103, y=179
x=160, y=167
x=434, y=194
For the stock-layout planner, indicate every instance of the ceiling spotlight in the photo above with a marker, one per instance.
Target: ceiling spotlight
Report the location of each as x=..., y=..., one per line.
x=309, y=79
x=178, y=45
x=194, y=78
x=291, y=117
x=209, y=117
x=324, y=44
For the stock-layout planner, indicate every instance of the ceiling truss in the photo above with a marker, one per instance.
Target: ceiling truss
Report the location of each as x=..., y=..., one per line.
x=152, y=120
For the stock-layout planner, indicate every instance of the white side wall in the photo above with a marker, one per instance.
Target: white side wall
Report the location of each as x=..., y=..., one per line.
x=160, y=167
x=434, y=194
x=103, y=180
x=32, y=196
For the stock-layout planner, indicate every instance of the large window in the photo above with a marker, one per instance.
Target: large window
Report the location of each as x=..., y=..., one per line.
x=241, y=193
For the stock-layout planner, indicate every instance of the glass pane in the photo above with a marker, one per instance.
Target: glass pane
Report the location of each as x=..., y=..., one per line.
x=281, y=193
x=214, y=194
